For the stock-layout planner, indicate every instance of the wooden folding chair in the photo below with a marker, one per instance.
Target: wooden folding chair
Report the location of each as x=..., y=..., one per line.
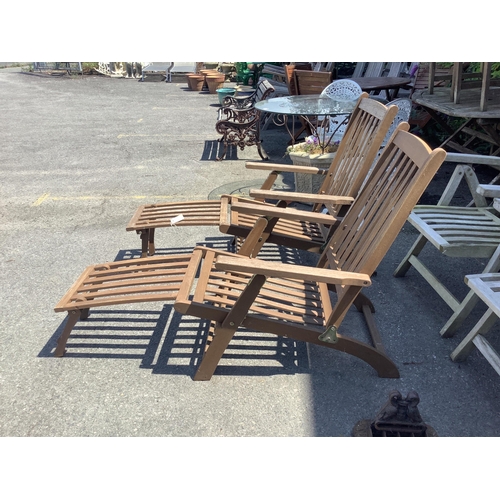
x=311, y=82
x=457, y=231
x=367, y=126
x=237, y=291
x=290, y=300
x=487, y=288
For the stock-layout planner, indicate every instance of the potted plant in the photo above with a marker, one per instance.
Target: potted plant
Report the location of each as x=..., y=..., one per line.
x=312, y=153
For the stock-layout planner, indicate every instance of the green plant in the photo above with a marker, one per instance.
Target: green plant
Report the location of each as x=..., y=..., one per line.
x=475, y=67
x=314, y=146
x=89, y=67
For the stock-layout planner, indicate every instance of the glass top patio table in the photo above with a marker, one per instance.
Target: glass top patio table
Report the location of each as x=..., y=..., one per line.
x=306, y=105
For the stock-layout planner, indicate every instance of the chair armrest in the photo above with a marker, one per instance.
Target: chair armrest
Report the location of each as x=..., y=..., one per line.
x=300, y=197
x=493, y=161
x=239, y=101
x=489, y=190
x=279, y=167
x=284, y=213
x=280, y=270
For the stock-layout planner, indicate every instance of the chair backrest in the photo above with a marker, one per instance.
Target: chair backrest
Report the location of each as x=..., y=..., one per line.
x=311, y=82
x=183, y=67
x=403, y=115
x=378, y=213
x=367, y=127
x=359, y=69
x=374, y=69
x=289, y=78
x=395, y=69
x=342, y=89
x=263, y=91
x=323, y=66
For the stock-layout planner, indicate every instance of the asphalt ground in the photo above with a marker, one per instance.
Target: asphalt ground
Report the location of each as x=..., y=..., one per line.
x=78, y=156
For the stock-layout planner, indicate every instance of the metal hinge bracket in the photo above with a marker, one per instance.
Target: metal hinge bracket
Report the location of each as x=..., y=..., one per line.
x=329, y=335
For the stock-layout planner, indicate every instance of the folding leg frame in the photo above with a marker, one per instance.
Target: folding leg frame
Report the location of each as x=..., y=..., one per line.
x=487, y=288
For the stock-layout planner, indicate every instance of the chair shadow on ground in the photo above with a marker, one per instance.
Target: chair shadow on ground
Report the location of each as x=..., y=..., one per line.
x=227, y=243
x=168, y=343
x=214, y=149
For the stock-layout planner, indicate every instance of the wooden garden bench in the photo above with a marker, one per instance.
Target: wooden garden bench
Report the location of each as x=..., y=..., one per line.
x=239, y=121
x=237, y=291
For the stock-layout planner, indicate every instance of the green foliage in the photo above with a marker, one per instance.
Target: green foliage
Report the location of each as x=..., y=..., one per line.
x=495, y=69
x=89, y=67
x=475, y=67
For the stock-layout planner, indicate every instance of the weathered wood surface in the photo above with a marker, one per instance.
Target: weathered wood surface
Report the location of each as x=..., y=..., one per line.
x=456, y=231
x=468, y=107
x=487, y=288
x=369, y=83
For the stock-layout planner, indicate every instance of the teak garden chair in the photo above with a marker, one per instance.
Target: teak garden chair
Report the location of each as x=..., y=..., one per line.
x=357, y=150
x=311, y=82
x=457, y=231
x=237, y=291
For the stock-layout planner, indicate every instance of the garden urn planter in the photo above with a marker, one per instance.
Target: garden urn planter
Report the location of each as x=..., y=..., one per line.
x=306, y=183
x=223, y=92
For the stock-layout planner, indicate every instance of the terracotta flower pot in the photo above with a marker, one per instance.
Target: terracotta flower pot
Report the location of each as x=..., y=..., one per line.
x=215, y=82
x=208, y=72
x=189, y=80
x=196, y=82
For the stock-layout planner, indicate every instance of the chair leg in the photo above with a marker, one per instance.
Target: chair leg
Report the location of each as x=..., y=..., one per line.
x=147, y=242
x=466, y=306
x=262, y=152
x=224, y=151
x=144, y=234
x=414, y=251
x=224, y=332
x=458, y=317
x=73, y=317
x=211, y=358
x=482, y=326
x=260, y=234
x=151, y=242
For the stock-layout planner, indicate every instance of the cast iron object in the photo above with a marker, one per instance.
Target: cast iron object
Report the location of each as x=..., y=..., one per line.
x=397, y=418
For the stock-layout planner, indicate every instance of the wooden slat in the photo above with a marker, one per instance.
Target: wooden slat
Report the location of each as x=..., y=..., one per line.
x=137, y=279
x=307, y=273
x=488, y=352
x=161, y=215
x=486, y=286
